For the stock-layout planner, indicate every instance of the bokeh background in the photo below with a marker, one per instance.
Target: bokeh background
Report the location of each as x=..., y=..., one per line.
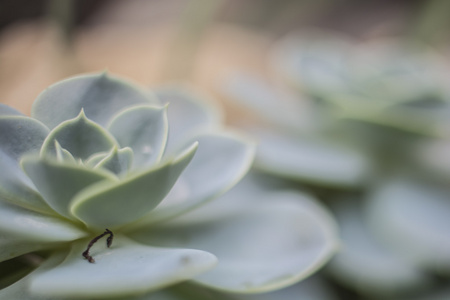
x=156, y=42
x=369, y=75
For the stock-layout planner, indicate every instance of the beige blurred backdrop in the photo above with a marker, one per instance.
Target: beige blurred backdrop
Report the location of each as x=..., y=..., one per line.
x=163, y=41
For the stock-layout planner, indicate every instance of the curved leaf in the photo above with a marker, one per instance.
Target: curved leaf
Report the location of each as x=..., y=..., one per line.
x=6, y=110
x=220, y=162
x=100, y=96
x=111, y=204
x=311, y=160
x=187, y=114
x=365, y=263
x=20, y=289
x=262, y=244
x=434, y=155
x=24, y=231
x=94, y=159
x=125, y=269
x=17, y=188
x=11, y=246
x=18, y=136
x=80, y=136
x=118, y=161
x=24, y=224
x=21, y=135
x=415, y=218
x=58, y=183
x=144, y=129
x=62, y=155
x=310, y=289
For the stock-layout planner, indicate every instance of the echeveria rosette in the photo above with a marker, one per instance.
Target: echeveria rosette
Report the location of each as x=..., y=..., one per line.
x=378, y=82
x=98, y=153
x=405, y=238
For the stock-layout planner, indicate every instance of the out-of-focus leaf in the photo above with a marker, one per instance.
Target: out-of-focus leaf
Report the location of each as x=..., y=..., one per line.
x=414, y=217
x=367, y=265
x=311, y=160
x=276, y=240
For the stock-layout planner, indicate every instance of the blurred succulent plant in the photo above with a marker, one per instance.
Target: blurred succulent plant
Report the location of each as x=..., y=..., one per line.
x=106, y=203
x=366, y=127
x=380, y=81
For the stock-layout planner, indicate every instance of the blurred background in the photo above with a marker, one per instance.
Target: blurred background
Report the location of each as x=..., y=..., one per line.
x=161, y=41
x=348, y=99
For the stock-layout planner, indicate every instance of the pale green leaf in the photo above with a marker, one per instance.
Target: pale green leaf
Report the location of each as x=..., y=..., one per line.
x=11, y=246
x=126, y=268
x=262, y=244
x=94, y=159
x=366, y=264
x=80, y=136
x=28, y=225
x=118, y=161
x=20, y=289
x=100, y=96
x=6, y=110
x=62, y=155
x=19, y=135
x=312, y=288
x=222, y=159
x=24, y=231
x=413, y=217
x=311, y=160
x=187, y=114
x=144, y=129
x=111, y=204
x=59, y=182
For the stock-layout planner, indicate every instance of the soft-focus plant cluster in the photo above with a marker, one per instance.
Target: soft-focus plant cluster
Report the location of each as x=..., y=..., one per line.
x=365, y=126
x=110, y=191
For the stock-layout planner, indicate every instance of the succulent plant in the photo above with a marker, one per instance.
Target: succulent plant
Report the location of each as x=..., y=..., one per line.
x=380, y=81
x=366, y=127
x=106, y=189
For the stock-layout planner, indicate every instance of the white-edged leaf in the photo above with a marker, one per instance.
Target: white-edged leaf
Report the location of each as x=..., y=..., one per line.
x=221, y=160
x=365, y=263
x=59, y=182
x=262, y=244
x=6, y=110
x=187, y=113
x=144, y=129
x=20, y=289
x=413, y=217
x=18, y=136
x=311, y=160
x=100, y=96
x=118, y=161
x=24, y=224
x=112, y=204
x=80, y=136
x=126, y=268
